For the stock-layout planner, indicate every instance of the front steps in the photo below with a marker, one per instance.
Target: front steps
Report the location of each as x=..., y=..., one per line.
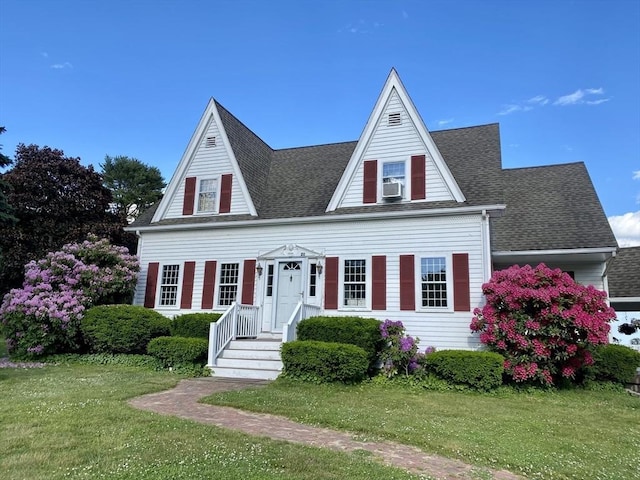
x=251, y=358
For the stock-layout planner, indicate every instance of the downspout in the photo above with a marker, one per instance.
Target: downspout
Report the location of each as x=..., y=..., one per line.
x=605, y=271
x=486, y=246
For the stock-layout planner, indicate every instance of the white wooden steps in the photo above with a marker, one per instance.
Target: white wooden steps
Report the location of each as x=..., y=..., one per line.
x=251, y=358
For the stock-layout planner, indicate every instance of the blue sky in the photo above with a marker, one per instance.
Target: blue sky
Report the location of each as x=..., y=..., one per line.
x=133, y=77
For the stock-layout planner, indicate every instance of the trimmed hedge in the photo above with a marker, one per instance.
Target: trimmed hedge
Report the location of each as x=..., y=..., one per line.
x=358, y=331
x=122, y=328
x=324, y=361
x=178, y=350
x=480, y=370
x=193, y=325
x=614, y=363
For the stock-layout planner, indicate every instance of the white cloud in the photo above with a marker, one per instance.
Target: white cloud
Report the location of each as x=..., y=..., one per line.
x=578, y=97
x=538, y=100
x=60, y=66
x=445, y=121
x=626, y=228
x=636, y=175
x=510, y=108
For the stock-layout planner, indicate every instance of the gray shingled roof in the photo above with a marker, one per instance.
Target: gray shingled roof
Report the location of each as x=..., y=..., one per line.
x=550, y=207
x=624, y=273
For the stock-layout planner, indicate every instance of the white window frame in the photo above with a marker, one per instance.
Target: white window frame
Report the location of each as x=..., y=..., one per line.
x=367, y=281
x=216, y=197
x=220, y=284
x=162, y=286
x=449, y=281
x=405, y=184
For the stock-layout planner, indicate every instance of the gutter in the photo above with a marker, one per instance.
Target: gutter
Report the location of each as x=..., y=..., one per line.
x=563, y=251
x=435, y=212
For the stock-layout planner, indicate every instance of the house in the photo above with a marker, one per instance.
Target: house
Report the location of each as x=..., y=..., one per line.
x=624, y=280
x=403, y=223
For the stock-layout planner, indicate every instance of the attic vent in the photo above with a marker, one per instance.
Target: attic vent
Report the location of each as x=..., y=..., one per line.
x=210, y=142
x=395, y=119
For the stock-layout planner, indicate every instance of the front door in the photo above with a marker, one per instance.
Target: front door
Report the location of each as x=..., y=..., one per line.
x=288, y=292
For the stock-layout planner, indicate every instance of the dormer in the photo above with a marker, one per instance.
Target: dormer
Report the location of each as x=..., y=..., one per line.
x=395, y=160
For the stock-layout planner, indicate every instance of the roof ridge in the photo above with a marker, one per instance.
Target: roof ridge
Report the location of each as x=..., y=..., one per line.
x=465, y=128
x=316, y=146
x=219, y=105
x=580, y=162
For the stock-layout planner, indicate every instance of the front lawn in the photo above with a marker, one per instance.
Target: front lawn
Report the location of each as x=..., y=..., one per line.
x=568, y=434
x=73, y=422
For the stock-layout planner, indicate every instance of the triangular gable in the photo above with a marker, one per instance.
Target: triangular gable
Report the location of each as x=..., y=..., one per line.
x=290, y=250
x=394, y=97
x=171, y=203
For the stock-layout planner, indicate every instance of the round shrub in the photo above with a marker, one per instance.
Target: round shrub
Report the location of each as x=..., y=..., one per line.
x=193, y=325
x=178, y=350
x=614, y=363
x=324, y=362
x=122, y=328
x=358, y=331
x=480, y=370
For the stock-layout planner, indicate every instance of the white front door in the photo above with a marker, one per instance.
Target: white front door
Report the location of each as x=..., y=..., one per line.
x=288, y=292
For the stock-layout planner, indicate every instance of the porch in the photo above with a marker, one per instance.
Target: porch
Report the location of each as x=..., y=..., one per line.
x=238, y=348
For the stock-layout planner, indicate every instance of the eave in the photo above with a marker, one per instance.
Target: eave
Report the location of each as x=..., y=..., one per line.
x=566, y=255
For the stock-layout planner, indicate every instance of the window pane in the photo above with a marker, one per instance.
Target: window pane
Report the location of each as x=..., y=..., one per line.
x=169, y=285
x=433, y=273
x=393, y=171
x=228, y=290
x=355, y=286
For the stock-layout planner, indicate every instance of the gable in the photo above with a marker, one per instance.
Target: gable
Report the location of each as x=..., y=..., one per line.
x=210, y=158
x=395, y=134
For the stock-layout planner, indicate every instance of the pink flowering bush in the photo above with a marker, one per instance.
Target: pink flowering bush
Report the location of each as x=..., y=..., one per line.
x=43, y=316
x=541, y=322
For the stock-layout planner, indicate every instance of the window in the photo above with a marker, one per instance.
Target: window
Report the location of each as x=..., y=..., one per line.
x=355, y=283
x=313, y=279
x=433, y=274
x=207, y=195
x=270, y=280
x=228, y=290
x=393, y=179
x=169, y=285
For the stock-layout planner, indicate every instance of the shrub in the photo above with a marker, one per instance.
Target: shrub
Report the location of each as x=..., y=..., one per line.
x=358, y=331
x=480, y=370
x=122, y=328
x=614, y=363
x=542, y=322
x=400, y=352
x=193, y=325
x=324, y=361
x=178, y=350
x=43, y=317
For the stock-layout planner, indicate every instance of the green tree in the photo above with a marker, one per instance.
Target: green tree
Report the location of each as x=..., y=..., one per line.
x=6, y=211
x=134, y=185
x=56, y=201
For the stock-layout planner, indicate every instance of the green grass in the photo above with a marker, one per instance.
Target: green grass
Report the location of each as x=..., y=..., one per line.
x=73, y=421
x=567, y=434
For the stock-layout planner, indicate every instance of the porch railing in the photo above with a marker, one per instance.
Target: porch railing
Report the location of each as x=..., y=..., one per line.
x=302, y=311
x=237, y=321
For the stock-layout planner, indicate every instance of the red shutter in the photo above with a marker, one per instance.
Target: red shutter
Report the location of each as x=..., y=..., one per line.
x=187, y=284
x=461, y=294
x=225, y=193
x=370, y=189
x=152, y=282
x=331, y=283
x=418, y=177
x=407, y=283
x=379, y=283
x=189, y=195
x=209, y=284
x=248, y=281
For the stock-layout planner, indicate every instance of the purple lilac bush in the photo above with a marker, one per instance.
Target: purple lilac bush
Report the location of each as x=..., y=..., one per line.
x=542, y=322
x=43, y=317
x=400, y=354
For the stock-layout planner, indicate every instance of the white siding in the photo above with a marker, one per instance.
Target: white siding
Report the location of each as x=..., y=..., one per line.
x=584, y=273
x=209, y=163
x=390, y=237
x=395, y=143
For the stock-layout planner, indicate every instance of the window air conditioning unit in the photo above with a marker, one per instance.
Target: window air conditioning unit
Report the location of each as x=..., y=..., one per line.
x=392, y=190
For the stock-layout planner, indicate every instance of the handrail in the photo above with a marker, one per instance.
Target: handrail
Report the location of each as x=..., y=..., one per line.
x=302, y=311
x=237, y=321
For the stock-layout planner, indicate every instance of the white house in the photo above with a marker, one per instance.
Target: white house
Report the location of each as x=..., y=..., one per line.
x=403, y=223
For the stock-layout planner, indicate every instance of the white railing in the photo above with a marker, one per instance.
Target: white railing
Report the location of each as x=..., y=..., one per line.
x=302, y=311
x=237, y=321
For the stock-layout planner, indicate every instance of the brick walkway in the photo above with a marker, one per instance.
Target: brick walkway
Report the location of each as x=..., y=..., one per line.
x=182, y=402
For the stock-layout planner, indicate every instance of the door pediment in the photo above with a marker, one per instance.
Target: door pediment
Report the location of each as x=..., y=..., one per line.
x=290, y=250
